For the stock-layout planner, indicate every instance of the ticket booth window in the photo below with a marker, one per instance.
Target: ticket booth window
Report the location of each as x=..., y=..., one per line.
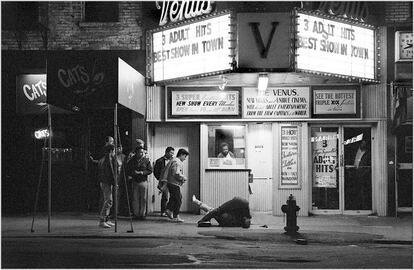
x=226, y=146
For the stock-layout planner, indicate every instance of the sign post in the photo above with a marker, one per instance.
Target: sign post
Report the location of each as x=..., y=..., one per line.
x=49, y=120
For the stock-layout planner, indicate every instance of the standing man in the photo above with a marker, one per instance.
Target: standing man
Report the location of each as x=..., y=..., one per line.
x=107, y=168
x=173, y=178
x=139, y=167
x=159, y=166
x=140, y=143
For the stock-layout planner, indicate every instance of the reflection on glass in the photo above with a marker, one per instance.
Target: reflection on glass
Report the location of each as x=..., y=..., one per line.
x=357, y=147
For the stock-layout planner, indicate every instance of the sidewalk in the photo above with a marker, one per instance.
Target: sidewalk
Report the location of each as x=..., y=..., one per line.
x=265, y=227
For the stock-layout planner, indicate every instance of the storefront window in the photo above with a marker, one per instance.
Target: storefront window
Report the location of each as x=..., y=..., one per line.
x=226, y=146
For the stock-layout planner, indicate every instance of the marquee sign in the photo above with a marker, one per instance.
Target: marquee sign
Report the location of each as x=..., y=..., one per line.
x=334, y=101
x=204, y=103
x=197, y=48
x=180, y=10
x=328, y=46
x=277, y=102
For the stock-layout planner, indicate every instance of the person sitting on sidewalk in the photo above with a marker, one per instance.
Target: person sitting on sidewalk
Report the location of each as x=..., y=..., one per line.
x=233, y=213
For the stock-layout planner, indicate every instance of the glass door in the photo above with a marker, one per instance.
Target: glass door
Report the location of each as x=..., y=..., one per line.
x=326, y=196
x=341, y=170
x=358, y=170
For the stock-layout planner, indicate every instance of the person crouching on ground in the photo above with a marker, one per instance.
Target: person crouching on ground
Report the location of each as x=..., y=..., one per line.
x=107, y=168
x=173, y=178
x=139, y=167
x=233, y=213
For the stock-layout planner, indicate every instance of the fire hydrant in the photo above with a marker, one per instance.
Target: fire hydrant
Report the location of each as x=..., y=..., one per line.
x=290, y=210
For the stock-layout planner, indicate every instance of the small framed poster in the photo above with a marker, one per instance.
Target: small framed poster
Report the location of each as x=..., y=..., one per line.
x=289, y=157
x=332, y=102
x=203, y=102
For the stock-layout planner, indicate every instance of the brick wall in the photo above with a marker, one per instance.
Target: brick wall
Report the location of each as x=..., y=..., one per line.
x=398, y=12
x=67, y=30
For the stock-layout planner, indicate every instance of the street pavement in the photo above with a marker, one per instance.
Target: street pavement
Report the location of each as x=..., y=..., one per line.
x=265, y=227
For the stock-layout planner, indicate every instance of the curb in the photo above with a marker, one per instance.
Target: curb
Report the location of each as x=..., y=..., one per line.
x=393, y=242
x=302, y=239
x=102, y=236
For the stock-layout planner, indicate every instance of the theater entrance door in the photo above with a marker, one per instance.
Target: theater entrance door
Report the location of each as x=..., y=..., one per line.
x=341, y=169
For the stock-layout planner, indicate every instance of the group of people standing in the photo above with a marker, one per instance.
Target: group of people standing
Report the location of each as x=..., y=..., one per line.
x=168, y=170
x=135, y=168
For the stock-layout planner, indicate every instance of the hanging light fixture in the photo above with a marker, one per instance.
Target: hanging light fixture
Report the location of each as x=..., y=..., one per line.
x=223, y=83
x=262, y=82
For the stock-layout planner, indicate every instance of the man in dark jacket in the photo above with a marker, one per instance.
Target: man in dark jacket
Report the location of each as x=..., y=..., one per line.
x=233, y=213
x=139, y=167
x=107, y=168
x=158, y=170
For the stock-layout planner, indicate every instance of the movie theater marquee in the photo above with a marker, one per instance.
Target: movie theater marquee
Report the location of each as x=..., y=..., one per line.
x=330, y=46
x=195, y=48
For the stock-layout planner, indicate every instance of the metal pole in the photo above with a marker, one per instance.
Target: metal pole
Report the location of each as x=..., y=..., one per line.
x=38, y=184
x=49, y=119
x=116, y=165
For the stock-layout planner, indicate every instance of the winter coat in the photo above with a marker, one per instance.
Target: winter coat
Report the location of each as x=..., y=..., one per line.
x=173, y=173
x=135, y=165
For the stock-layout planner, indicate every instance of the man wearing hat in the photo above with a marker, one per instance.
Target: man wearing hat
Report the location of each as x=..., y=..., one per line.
x=138, y=168
x=141, y=144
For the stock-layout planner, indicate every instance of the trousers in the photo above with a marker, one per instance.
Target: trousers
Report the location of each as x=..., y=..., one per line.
x=107, y=200
x=139, y=198
x=164, y=200
x=174, y=204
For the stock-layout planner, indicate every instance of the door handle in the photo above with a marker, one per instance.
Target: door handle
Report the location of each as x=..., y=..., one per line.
x=341, y=160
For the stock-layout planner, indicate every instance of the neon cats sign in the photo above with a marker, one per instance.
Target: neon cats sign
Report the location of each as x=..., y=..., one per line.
x=175, y=11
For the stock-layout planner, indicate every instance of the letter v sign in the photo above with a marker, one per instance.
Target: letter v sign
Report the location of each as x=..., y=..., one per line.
x=258, y=37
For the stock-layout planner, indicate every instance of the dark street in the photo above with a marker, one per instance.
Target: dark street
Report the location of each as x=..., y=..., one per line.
x=199, y=253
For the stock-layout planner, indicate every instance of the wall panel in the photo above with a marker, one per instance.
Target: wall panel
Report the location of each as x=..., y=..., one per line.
x=177, y=136
x=154, y=103
x=221, y=186
x=374, y=101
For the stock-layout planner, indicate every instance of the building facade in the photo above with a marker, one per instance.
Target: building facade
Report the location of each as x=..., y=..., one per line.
x=301, y=135
x=335, y=78
x=68, y=46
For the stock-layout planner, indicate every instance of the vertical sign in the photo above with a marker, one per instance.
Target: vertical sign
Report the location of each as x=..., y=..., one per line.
x=289, y=157
x=324, y=158
x=131, y=88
